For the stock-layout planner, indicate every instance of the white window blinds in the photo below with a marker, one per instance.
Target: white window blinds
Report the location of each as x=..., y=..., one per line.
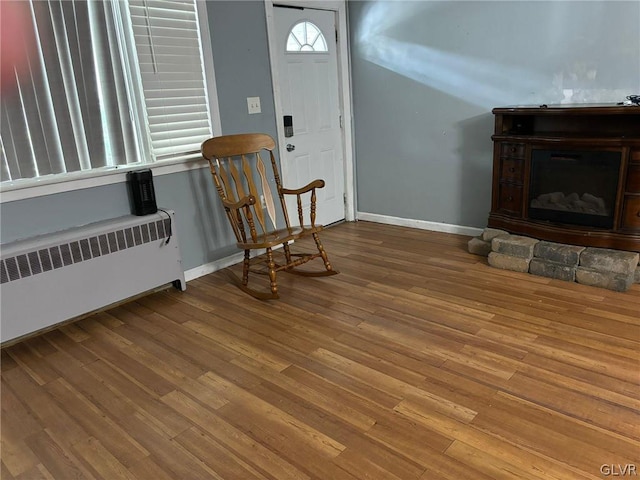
x=166, y=36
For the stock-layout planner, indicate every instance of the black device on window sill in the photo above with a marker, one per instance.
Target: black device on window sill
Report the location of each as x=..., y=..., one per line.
x=141, y=192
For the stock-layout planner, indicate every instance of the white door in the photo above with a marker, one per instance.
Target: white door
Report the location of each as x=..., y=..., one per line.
x=307, y=73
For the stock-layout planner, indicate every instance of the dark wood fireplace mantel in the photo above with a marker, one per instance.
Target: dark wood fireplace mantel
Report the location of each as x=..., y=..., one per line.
x=521, y=131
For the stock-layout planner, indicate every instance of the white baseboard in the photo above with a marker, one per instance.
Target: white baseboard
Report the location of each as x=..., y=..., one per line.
x=421, y=224
x=214, y=266
x=221, y=263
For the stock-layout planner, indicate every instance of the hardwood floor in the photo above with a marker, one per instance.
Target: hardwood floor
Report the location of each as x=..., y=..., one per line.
x=418, y=361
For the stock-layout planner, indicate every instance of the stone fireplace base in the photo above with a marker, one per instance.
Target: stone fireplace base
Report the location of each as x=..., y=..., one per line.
x=599, y=267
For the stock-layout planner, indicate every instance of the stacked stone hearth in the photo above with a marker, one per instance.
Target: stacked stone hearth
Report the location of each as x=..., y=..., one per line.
x=599, y=267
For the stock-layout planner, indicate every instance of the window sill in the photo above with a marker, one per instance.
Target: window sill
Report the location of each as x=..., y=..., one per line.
x=31, y=188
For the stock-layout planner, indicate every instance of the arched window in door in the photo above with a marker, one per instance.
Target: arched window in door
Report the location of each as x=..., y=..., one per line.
x=306, y=37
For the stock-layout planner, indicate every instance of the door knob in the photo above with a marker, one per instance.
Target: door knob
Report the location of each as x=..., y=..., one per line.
x=290, y=148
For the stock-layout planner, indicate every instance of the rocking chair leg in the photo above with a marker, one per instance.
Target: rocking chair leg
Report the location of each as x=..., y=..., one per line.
x=272, y=272
x=325, y=259
x=287, y=251
x=245, y=268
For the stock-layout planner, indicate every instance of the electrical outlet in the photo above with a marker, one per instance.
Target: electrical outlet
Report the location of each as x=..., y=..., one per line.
x=253, y=105
x=263, y=202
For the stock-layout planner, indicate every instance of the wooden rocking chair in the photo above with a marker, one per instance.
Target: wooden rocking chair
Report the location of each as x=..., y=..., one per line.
x=241, y=180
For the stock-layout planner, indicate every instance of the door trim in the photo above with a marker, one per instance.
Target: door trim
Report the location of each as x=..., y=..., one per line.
x=344, y=86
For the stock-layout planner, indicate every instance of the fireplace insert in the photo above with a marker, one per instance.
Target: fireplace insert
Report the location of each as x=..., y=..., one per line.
x=574, y=187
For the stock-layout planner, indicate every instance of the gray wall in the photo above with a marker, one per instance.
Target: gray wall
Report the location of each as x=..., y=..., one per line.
x=239, y=42
x=427, y=74
x=241, y=60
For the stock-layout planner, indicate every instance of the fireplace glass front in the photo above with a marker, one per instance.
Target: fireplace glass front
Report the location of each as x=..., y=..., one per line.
x=574, y=187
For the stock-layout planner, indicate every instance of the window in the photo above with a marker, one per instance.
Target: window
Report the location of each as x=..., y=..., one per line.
x=306, y=37
x=105, y=84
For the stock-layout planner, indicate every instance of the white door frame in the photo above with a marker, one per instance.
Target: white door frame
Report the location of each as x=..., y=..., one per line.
x=344, y=86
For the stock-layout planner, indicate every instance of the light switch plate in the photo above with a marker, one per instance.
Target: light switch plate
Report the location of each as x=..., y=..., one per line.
x=253, y=104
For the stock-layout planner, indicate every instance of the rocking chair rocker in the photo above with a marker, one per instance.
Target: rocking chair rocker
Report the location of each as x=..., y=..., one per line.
x=241, y=180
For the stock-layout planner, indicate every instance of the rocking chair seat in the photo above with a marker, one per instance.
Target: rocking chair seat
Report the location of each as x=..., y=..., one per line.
x=277, y=237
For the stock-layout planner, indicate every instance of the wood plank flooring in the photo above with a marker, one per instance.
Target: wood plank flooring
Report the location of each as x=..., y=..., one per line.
x=418, y=361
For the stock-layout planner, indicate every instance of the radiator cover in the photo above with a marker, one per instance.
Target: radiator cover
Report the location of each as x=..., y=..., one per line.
x=52, y=278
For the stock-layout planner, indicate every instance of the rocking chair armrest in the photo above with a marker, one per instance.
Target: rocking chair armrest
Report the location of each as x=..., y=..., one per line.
x=305, y=189
x=243, y=202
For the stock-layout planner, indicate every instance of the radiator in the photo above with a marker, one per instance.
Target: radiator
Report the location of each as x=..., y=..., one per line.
x=49, y=279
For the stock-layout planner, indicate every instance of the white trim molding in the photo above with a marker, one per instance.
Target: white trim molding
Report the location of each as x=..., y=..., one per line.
x=421, y=224
x=214, y=266
x=222, y=263
x=209, y=70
